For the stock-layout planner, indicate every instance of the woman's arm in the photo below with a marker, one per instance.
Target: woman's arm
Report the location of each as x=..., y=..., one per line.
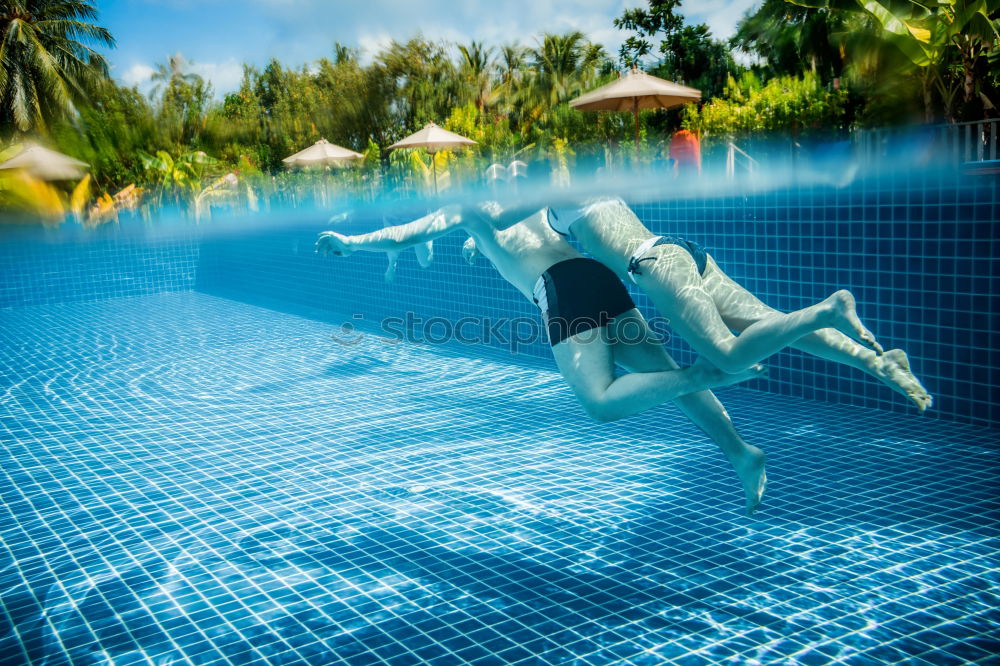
x=393, y=239
x=503, y=216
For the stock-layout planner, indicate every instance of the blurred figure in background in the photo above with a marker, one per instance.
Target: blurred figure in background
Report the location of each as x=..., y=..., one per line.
x=685, y=151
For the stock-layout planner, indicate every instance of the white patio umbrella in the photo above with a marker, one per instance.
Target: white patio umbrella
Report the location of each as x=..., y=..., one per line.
x=322, y=152
x=636, y=90
x=433, y=138
x=46, y=164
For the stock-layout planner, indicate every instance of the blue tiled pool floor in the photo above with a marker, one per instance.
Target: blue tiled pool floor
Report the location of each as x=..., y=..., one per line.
x=188, y=479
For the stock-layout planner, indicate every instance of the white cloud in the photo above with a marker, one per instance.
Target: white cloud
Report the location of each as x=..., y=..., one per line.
x=294, y=23
x=373, y=24
x=298, y=32
x=137, y=75
x=225, y=76
x=371, y=43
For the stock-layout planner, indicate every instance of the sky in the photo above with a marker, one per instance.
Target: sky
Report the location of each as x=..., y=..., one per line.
x=218, y=36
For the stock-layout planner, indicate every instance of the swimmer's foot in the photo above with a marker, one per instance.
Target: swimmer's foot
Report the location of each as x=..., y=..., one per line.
x=750, y=469
x=845, y=319
x=715, y=378
x=893, y=369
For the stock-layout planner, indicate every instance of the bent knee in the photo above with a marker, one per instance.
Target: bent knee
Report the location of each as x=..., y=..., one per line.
x=725, y=361
x=600, y=411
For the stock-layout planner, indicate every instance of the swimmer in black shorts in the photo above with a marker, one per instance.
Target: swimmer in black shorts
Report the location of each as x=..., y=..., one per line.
x=723, y=321
x=584, y=306
x=705, y=306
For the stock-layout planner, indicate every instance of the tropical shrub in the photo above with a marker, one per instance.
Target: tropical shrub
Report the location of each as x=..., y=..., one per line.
x=794, y=104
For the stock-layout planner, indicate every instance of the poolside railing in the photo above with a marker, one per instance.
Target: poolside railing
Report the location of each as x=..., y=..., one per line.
x=735, y=156
x=973, y=141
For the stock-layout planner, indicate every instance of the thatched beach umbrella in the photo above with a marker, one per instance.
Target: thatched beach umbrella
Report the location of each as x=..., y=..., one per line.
x=634, y=91
x=322, y=152
x=45, y=164
x=433, y=138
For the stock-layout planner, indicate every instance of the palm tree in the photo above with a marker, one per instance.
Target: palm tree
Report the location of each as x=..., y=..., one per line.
x=556, y=60
x=563, y=66
x=511, y=61
x=175, y=71
x=476, y=66
x=183, y=99
x=45, y=61
x=593, y=61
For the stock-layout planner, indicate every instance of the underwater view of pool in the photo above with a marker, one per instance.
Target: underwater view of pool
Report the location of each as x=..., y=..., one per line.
x=189, y=479
x=213, y=455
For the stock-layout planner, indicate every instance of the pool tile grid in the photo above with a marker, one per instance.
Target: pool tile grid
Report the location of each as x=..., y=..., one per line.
x=615, y=544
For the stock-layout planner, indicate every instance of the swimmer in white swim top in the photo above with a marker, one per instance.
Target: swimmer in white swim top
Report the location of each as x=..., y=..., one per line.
x=587, y=310
x=705, y=306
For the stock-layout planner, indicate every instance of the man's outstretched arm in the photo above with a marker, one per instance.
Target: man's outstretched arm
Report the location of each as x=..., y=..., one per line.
x=393, y=239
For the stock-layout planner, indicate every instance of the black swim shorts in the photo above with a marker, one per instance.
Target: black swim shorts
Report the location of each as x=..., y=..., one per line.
x=577, y=295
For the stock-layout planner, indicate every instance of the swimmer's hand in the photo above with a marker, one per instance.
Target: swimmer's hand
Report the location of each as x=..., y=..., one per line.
x=469, y=251
x=330, y=242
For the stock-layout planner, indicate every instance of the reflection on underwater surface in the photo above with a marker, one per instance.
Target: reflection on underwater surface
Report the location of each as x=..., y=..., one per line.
x=781, y=165
x=191, y=478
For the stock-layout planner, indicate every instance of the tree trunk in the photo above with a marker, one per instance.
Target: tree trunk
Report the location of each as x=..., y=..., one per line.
x=970, y=81
x=928, y=112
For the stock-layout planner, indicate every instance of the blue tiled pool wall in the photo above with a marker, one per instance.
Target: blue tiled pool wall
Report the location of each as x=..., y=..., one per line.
x=62, y=265
x=918, y=253
x=281, y=268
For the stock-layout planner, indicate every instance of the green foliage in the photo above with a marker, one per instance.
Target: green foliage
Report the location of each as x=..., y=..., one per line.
x=536, y=81
x=799, y=104
x=688, y=53
x=660, y=17
x=184, y=99
x=492, y=132
x=110, y=130
x=787, y=37
x=46, y=63
x=945, y=49
x=177, y=179
x=821, y=64
x=421, y=80
x=476, y=72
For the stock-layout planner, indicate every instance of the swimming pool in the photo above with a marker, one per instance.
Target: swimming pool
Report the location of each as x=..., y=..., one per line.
x=194, y=470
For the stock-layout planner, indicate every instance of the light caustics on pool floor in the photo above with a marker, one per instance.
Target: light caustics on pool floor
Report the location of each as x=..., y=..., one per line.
x=188, y=479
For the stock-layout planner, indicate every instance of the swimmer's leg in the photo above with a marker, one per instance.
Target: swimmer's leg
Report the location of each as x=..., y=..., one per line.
x=425, y=253
x=390, y=270
x=739, y=309
x=676, y=288
x=587, y=362
x=637, y=351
